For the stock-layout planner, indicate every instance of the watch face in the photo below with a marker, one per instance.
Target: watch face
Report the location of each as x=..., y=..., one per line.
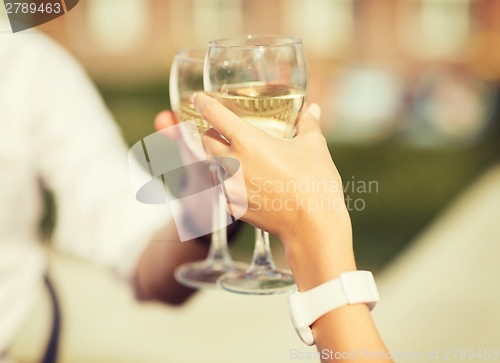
x=305, y=333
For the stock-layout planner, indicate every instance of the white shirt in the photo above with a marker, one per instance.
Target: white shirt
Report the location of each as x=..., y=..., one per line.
x=55, y=132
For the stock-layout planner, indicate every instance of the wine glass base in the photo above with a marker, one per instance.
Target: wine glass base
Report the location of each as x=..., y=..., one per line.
x=204, y=274
x=260, y=282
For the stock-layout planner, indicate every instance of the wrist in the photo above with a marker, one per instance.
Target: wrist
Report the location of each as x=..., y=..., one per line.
x=320, y=249
x=312, y=269
x=315, y=216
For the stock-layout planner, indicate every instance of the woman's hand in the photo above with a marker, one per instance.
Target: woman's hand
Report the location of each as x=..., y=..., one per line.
x=293, y=189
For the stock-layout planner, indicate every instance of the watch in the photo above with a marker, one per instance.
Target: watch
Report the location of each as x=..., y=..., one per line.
x=349, y=288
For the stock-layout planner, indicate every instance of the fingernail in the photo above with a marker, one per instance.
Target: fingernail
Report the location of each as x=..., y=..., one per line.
x=314, y=110
x=194, y=96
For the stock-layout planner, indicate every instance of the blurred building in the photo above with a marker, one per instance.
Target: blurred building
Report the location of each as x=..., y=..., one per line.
x=454, y=31
x=368, y=59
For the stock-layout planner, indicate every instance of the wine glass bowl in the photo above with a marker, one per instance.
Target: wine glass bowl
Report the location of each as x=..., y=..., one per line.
x=186, y=78
x=262, y=79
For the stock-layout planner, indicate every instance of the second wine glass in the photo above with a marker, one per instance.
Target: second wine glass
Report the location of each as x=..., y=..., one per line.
x=186, y=78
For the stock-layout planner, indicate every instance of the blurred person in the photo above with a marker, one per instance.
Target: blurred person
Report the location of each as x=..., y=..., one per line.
x=56, y=133
x=318, y=243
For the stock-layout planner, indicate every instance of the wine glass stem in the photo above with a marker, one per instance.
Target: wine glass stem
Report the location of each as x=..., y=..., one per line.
x=219, y=251
x=262, y=257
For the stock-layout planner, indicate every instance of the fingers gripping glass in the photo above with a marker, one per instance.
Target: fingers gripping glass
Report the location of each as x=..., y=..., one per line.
x=186, y=78
x=262, y=79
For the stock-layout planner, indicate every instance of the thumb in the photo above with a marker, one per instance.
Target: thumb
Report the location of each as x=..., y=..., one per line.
x=162, y=123
x=164, y=119
x=309, y=120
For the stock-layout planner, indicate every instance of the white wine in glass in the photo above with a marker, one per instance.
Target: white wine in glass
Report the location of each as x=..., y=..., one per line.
x=273, y=108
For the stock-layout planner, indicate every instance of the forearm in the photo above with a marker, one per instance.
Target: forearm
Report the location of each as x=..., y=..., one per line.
x=154, y=277
x=348, y=331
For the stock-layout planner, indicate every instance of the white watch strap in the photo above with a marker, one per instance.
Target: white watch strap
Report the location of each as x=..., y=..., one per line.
x=350, y=288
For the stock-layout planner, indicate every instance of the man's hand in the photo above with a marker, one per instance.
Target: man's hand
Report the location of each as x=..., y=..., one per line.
x=155, y=270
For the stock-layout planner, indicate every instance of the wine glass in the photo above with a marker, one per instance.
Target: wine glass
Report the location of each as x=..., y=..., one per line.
x=186, y=78
x=263, y=80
